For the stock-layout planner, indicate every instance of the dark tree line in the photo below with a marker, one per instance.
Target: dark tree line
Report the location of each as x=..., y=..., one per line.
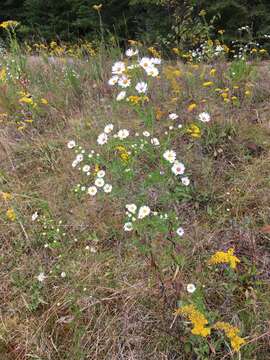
x=151, y=20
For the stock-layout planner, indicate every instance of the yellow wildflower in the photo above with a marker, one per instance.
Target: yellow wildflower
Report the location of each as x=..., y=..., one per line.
x=197, y=319
x=194, y=131
x=221, y=257
x=221, y=31
x=208, y=83
x=154, y=52
x=202, y=13
x=232, y=333
x=213, y=72
x=135, y=100
x=9, y=24
x=11, y=214
x=44, y=101
x=6, y=196
x=253, y=50
x=3, y=74
x=191, y=107
x=176, y=51
x=26, y=100
x=263, y=51
x=159, y=114
x=123, y=154
x=97, y=7
x=247, y=92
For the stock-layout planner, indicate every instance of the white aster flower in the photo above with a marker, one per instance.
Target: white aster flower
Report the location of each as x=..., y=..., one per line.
x=124, y=81
x=122, y=134
x=41, y=277
x=173, y=116
x=107, y=188
x=118, y=68
x=99, y=182
x=71, y=144
x=152, y=71
x=128, y=226
x=185, y=180
x=145, y=63
x=74, y=163
x=101, y=173
x=79, y=158
x=86, y=168
x=108, y=128
x=102, y=139
x=146, y=133
x=170, y=156
x=131, y=52
x=35, y=216
x=121, y=95
x=113, y=80
x=92, y=190
x=178, y=168
x=141, y=87
x=131, y=208
x=191, y=288
x=143, y=212
x=180, y=231
x=155, y=142
x=63, y=274
x=204, y=117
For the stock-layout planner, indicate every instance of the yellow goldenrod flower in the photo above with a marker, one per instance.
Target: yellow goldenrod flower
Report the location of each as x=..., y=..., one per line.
x=44, y=101
x=11, y=214
x=159, y=114
x=26, y=100
x=3, y=75
x=202, y=13
x=221, y=257
x=194, y=131
x=191, y=107
x=123, y=154
x=232, y=333
x=135, y=100
x=6, y=196
x=253, y=50
x=176, y=51
x=154, y=52
x=97, y=7
x=9, y=24
x=197, y=319
x=213, y=72
x=208, y=83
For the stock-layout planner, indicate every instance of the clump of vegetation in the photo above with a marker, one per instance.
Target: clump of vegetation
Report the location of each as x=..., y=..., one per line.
x=134, y=202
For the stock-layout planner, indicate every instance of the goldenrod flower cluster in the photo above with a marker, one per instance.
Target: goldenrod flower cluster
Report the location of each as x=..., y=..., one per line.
x=11, y=214
x=232, y=333
x=221, y=257
x=197, y=319
x=9, y=24
x=123, y=154
x=136, y=100
x=194, y=131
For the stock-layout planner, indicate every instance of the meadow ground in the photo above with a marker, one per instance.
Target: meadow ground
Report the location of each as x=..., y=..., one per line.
x=110, y=249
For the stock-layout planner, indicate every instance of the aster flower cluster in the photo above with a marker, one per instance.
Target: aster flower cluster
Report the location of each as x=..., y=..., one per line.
x=178, y=168
x=88, y=165
x=130, y=74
